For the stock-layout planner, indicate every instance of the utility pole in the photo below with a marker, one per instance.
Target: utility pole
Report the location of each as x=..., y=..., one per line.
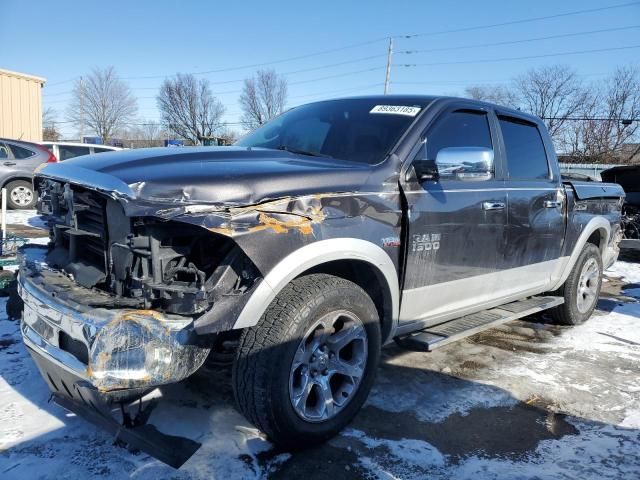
x=81, y=109
x=388, y=76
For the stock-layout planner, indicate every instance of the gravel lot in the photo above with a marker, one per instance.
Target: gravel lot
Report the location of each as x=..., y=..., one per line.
x=525, y=400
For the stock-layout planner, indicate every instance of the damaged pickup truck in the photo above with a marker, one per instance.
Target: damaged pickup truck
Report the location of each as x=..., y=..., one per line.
x=335, y=228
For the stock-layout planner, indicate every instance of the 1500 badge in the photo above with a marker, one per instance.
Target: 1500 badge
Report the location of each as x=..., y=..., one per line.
x=425, y=242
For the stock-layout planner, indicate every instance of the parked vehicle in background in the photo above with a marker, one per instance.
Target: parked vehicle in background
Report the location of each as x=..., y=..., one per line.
x=628, y=177
x=66, y=150
x=333, y=229
x=19, y=160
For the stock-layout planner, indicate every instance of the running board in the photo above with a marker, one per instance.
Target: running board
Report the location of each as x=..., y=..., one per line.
x=439, y=335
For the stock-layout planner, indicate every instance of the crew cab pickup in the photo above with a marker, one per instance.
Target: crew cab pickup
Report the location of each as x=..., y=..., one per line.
x=316, y=239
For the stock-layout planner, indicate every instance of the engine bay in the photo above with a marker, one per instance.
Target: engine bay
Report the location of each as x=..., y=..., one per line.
x=156, y=264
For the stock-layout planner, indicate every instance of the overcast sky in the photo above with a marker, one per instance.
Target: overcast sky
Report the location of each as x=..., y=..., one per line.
x=60, y=40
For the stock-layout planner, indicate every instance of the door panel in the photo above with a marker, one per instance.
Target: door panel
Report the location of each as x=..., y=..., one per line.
x=536, y=218
x=452, y=241
x=536, y=229
x=456, y=227
x=11, y=166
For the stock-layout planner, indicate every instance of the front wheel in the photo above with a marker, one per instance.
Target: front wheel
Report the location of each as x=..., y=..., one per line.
x=581, y=289
x=303, y=372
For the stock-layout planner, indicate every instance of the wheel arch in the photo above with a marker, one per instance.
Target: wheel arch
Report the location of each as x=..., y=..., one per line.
x=350, y=258
x=16, y=178
x=597, y=231
x=599, y=238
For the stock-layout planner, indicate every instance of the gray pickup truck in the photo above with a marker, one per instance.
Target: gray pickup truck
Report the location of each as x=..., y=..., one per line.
x=330, y=231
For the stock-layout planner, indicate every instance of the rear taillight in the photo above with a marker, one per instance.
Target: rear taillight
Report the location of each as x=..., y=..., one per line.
x=52, y=158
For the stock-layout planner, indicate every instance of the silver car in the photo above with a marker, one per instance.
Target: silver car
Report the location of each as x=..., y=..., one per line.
x=18, y=161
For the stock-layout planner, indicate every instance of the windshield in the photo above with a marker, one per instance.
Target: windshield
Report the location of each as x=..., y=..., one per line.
x=360, y=130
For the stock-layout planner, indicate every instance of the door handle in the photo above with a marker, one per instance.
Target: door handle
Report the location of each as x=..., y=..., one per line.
x=493, y=205
x=9, y=164
x=552, y=203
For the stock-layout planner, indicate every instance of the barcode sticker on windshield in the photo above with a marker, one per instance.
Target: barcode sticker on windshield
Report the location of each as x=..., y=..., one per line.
x=396, y=110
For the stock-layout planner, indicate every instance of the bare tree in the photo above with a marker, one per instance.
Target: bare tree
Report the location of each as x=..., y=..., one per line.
x=228, y=136
x=606, y=130
x=103, y=102
x=188, y=107
x=49, y=127
x=502, y=95
x=263, y=97
x=587, y=123
x=553, y=93
x=147, y=134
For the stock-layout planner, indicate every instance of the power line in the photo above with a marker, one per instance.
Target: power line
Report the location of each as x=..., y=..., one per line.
x=237, y=80
x=149, y=123
x=593, y=119
x=520, y=21
x=506, y=59
x=254, y=65
x=61, y=82
x=513, y=42
x=273, y=62
x=372, y=41
x=336, y=76
x=225, y=92
x=342, y=90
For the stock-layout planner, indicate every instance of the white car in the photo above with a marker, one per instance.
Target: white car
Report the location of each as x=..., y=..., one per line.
x=66, y=150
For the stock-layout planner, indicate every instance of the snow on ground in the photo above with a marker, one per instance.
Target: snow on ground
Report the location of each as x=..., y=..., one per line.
x=527, y=399
x=25, y=217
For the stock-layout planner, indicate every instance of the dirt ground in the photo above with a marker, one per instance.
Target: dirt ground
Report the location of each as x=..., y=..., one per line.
x=525, y=400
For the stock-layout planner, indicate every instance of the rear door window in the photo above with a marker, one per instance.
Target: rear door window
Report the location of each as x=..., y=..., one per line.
x=71, y=151
x=526, y=156
x=20, y=153
x=4, y=151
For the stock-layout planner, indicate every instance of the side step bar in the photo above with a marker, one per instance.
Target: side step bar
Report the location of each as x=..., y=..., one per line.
x=439, y=335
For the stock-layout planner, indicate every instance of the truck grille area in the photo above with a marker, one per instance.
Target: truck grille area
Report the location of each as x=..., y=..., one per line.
x=90, y=224
x=150, y=263
x=78, y=229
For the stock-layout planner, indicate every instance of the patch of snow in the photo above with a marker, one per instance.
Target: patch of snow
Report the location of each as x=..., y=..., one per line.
x=406, y=450
x=632, y=419
x=629, y=272
x=434, y=397
x=26, y=217
x=599, y=451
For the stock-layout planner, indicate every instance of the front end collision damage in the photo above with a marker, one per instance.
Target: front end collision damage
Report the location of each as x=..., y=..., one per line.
x=116, y=350
x=112, y=314
x=148, y=326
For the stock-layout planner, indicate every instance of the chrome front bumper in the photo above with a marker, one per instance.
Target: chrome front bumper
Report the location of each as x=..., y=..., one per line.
x=111, y=349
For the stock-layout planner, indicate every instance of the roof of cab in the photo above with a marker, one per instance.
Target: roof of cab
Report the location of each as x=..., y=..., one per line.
x=426, y=100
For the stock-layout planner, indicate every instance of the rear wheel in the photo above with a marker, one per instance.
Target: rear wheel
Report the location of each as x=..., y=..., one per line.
x=20, y=195
x=581, y=289
x=303, y=372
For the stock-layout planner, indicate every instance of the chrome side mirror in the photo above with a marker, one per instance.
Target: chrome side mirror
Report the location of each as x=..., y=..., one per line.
x=465, y=163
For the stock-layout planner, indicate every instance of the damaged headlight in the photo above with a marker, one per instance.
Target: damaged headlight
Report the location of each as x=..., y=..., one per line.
x=138, y=349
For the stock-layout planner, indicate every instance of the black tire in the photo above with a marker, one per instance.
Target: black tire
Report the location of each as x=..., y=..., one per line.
x=568, y=313
x=264, y=358
x=23, y=187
